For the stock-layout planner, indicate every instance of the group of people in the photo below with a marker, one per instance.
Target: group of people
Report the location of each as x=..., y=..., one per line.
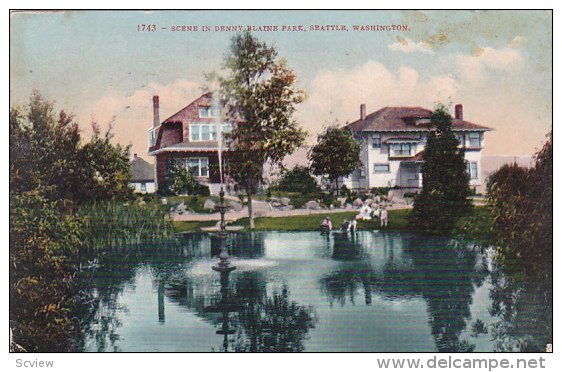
x=352, y=225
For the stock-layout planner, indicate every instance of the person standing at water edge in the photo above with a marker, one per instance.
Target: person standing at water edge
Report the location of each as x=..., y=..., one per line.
x=326, y=224
x=384, y=217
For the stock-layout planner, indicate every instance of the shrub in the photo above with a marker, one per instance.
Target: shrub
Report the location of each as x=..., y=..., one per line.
x=521, y=203
x=380, y=191
x=43, y=243
x=298, y=179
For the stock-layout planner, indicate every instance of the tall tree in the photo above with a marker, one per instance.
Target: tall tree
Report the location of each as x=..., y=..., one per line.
x=336, y=154
x=259, y=93
x=445, y=191
x=521, y=203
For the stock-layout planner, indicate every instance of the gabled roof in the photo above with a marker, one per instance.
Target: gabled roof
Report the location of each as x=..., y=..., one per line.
x=190, y=113
x=141, y=170
x=390, y=119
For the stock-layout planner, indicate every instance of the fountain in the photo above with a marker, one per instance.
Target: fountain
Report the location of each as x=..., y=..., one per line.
x=224, y=265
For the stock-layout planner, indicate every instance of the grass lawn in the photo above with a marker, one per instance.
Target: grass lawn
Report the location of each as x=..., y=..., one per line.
x=397, y=221
x=475, y=226
x=185, y=226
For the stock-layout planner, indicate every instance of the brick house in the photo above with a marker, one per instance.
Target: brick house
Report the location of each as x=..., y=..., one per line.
x=393, y=141
x=189, y=137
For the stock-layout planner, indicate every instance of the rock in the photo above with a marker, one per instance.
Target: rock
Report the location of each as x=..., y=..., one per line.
x=358, y=203
x=181, y=208
x=164, y=201
x=313, y=204
x=209, y=204
x=237, y=207
x=285, y=201
x=377, y=199
x=369, y=202
x=142, y=203
x=276, y=204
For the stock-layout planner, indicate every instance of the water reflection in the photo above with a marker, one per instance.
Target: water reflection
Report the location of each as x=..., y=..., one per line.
x=296, y=291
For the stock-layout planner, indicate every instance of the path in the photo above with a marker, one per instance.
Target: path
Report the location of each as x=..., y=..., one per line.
x=262, y=209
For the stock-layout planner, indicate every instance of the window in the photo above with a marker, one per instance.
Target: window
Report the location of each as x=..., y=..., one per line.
x=402, y=149
x=382, y=168
x=206, y=132
x=199, y=167
x=361, y=172
x=472, y=169
x=152, y=137
x=208, y=112
x=376, y=140
x=474, y=139
x=195, y=131
x=143, y=186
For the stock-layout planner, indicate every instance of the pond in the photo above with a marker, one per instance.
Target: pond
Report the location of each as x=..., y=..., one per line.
x=304, y=291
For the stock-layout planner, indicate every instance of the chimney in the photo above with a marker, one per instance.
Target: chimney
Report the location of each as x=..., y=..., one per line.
x=156, y=110
x=135, y=156
x=458, y=112
x=363, y=111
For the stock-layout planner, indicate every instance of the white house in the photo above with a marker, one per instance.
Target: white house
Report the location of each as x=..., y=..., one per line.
x=142, y=176
x=393, y=141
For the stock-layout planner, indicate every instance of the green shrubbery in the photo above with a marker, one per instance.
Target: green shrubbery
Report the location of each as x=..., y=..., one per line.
x=53, y=173
x=297, y=179
x=521, y=202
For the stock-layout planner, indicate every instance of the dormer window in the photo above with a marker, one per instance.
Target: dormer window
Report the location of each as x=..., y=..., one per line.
x=208, y=112
x=206, y=132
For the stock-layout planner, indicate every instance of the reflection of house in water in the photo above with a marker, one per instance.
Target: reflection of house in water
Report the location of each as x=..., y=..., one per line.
x=440, y=272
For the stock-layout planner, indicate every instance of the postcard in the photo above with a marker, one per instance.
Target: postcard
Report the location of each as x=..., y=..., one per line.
x=281, y=181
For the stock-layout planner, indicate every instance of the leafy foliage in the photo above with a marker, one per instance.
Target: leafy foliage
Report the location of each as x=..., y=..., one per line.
x=521, y=201
x=298, y=179
x=260, y=95
x=445, y=192
x=51, y=173
x=42, y=242
x=180, y=180
x=336, y=154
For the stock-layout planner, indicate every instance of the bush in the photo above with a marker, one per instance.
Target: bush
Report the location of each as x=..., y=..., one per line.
x=345, y=191
x=298, y=179
x=43, y=243
x=521, y=202
x=382, y=191
x=203, y=190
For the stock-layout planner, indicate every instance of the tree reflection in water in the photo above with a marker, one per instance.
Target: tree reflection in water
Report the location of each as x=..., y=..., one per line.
x=257, y=320
x=442, y=272
x=524, y=310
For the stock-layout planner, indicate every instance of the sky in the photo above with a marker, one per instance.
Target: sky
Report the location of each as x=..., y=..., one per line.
x=99, y=66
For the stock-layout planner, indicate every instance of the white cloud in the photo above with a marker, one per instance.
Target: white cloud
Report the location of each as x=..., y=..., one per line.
x=406, y=45
x=132, y=114
x=337, y=94
x=473, y=68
